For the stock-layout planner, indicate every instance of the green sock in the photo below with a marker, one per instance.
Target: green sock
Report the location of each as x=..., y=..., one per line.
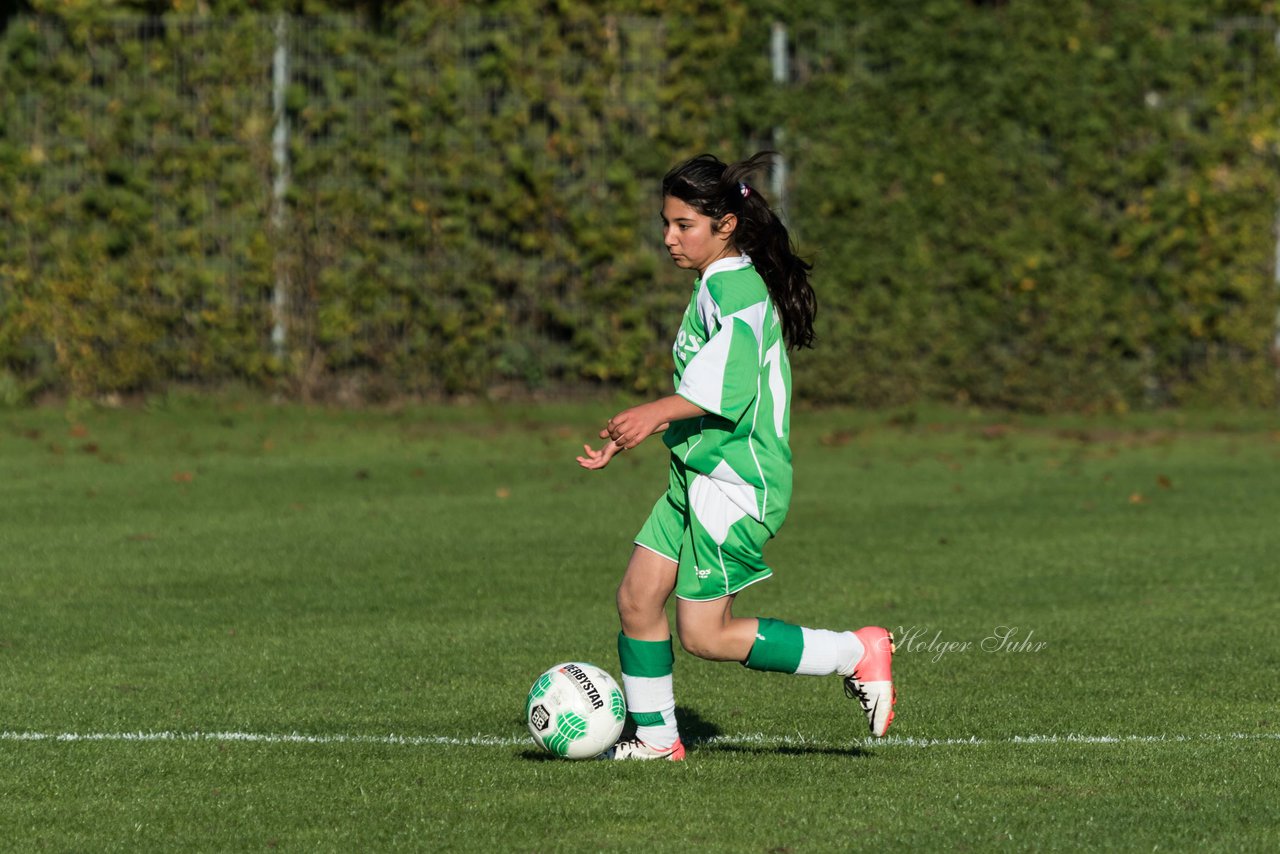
x=650, y=690
x=778, y=647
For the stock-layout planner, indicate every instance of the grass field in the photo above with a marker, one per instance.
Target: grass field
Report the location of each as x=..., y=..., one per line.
x=243, y=627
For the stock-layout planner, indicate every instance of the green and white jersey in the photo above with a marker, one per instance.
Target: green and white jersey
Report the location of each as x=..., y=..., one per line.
x=730, y=360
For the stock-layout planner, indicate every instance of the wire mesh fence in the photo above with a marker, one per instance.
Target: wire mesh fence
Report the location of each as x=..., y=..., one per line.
x=320, y=206
x=285, y=181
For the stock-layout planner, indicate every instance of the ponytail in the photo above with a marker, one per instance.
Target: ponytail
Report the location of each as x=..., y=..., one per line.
x=716, y=189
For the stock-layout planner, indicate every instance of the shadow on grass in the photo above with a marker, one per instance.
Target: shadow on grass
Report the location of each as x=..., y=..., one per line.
x=783, y=750
x=695, y=730
x=700, y=734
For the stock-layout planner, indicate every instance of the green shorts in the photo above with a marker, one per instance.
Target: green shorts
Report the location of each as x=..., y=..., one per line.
x=718, y=548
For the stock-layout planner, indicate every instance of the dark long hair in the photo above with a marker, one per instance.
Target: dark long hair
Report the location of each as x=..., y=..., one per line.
x=716, y=189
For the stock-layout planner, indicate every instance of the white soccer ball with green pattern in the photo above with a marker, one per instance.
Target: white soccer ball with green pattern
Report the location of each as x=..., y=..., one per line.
x=575, y=710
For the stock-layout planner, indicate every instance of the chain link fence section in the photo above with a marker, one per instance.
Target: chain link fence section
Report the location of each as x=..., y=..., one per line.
x=139, y=160
x=1046, y=214
x=353, y=257
x=480, y=139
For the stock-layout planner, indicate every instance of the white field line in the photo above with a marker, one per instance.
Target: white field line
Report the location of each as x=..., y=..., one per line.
x=745, y=739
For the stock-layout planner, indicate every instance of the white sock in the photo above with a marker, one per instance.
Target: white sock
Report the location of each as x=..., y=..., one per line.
x=651, y=702
x=827, y=652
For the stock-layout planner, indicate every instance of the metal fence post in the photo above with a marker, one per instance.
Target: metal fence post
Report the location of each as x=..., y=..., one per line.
x=280, y=187
x=781, y=76
x=1275, y=270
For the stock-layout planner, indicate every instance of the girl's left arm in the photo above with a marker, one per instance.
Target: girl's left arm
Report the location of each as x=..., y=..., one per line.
x=632, y=426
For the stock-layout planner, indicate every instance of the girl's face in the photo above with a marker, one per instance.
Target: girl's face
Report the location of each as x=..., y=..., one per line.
x=691, y=237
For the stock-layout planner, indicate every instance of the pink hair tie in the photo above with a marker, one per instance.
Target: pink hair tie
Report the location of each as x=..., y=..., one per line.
x=744, y=189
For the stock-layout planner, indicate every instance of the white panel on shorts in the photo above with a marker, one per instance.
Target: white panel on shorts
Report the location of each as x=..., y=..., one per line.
x=715, y=512
x=736, y=489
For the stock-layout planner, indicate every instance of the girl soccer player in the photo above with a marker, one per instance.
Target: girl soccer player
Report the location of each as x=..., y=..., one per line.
x=729, y=483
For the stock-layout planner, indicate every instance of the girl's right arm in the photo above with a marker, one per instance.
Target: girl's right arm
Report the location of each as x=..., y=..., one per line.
x=632, y=426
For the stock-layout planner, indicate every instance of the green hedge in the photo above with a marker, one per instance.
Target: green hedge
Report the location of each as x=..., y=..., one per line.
x=1044, y=206
x=131, y=199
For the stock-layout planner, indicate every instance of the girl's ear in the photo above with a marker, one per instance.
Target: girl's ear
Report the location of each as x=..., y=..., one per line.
x=727, y=225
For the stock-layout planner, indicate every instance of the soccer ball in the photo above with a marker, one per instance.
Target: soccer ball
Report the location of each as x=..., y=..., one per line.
x=575, y=710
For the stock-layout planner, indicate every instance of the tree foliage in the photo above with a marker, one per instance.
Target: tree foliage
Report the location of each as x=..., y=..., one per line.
x=1045, y=206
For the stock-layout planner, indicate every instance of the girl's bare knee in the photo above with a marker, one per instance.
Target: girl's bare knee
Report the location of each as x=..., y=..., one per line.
x=640, y=614
x=701, y=641
x=629, y=605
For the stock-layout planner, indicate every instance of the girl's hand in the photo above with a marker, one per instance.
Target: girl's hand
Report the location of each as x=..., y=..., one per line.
x=632, y=426
x=595, y=460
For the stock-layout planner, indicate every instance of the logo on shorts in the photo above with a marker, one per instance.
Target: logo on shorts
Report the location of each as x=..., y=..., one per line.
x=702, y=573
